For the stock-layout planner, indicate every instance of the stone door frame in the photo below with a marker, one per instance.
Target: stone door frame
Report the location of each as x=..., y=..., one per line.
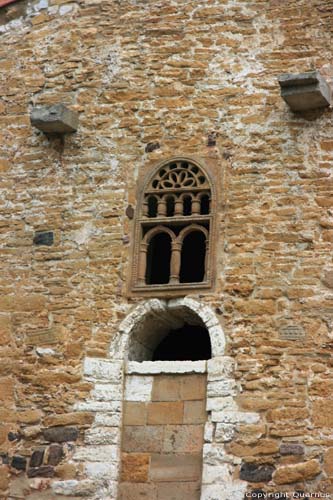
x=100, y=454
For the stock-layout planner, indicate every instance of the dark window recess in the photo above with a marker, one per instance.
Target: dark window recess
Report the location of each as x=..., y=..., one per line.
x=44, y=238
x=158, y=260
x=170, y=206
x=204, y=205
x=189, y=343
x=152, y=206
x=187, y=205
x=193, y=256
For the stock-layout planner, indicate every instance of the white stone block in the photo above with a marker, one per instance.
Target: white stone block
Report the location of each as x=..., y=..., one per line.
x=216, y=473
x=105, y=453
x=103, y=369
x=156, y=367
x=100, y=435
x=107, y=392
x=138, y=388
x=107, y=420
x=102, y=471
x=231, y=491
x=235, y=417
x=214, y=454
x=220, y=367
x=220, y=388
x=72, y=487
x=221, y=404
x=224, y=432
x=209, y=432
x=94, y=406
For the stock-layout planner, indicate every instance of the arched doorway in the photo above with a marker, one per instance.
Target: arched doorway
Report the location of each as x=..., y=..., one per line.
x=165, y=409
x=131, y=352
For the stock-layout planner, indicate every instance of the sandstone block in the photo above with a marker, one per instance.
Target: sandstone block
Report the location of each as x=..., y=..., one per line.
x=328, y=462
x=175, y=467
x=183, y=439
x=4, y=477
x=166, y=388
x=194, y=412
x=136, y=491
x=76, y=418
x=193, y=387
x=178, y=490
x=135, y=467
x=297, y=472
x=143, y=438
x=322, y=413
x=135, y=413
x=165, y=412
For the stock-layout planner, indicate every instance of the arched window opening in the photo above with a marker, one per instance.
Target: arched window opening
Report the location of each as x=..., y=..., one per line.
x=187, y=205
x=204, y=204
x=189, y=343
x=177, y=198
x=152, y=206
x=170, y=206
x=158, y=259
x=193, y=256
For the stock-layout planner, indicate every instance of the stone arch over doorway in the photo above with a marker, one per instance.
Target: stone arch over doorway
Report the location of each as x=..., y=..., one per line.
x=100, y=454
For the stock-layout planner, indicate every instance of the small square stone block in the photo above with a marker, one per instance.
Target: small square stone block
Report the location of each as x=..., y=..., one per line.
x=305, y=91
x=165, y=412
x=55, y=119
x=135, y=467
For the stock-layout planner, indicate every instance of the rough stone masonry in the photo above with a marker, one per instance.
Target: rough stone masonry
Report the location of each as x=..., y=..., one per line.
x=152, y=80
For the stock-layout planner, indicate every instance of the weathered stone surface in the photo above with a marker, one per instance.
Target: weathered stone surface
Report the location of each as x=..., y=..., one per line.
x=322, y=413
x=44, y=238
x=328, y=462
x=183, y=439
x=54, y=119
x=256, y=473
x=61, y=434
x=135, y=467
x=291, y=449
x=143, y=439
x=19, y=463
x=185, y=467
x=37, y=458
x=43, y=471
x=55, y=454
x=327, y=278
x=165, y=412
x=304, y=91
x=76, y=418
x=135, y=413
x=297, y=472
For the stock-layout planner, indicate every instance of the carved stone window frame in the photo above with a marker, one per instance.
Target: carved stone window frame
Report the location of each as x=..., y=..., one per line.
x=193, y=222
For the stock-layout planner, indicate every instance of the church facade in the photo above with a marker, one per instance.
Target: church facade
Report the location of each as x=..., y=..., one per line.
x=166, y=230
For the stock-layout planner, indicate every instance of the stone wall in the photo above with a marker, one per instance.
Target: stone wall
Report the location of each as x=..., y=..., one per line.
x=163, y=437
x=151, y=80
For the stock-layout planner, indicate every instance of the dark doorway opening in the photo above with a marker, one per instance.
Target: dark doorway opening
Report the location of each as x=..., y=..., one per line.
x=189, y=343
x=158, y=260
x=192, y=269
